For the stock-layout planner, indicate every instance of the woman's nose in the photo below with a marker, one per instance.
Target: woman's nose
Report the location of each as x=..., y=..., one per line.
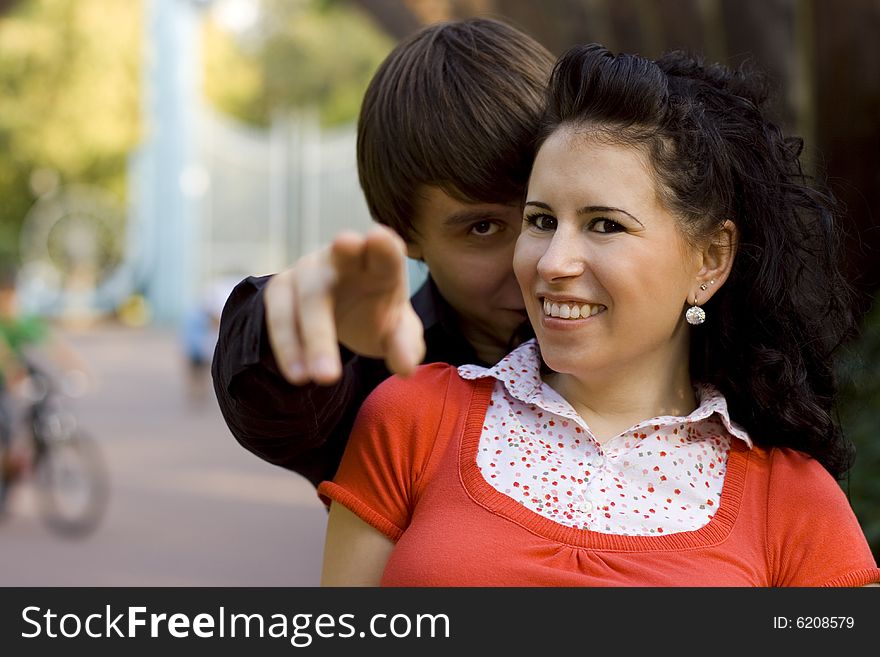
x=562, y=259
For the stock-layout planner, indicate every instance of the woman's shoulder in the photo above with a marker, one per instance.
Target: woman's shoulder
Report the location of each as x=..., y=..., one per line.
x=427, y=384
x=813, y=536
x=786, y=462
x=795, y=479
x=397, y=430
x=418, y=400
x=786, y=465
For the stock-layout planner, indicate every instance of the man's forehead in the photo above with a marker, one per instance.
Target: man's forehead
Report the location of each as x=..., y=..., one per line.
x=481, y=212
x=440, y=208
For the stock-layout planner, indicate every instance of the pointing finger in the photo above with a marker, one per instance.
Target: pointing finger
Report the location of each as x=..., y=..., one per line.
x=317, y=324
x=282, y=331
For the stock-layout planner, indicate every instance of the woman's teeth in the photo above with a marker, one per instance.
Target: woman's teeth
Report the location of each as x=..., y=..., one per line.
x=571, y=310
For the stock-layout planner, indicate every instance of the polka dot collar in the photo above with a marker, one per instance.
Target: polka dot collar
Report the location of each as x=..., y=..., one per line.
x=520, y=372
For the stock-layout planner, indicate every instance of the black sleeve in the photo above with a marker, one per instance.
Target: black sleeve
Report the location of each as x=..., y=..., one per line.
x=301, y=428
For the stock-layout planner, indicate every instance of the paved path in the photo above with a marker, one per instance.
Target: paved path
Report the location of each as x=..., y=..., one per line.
x=189, y=506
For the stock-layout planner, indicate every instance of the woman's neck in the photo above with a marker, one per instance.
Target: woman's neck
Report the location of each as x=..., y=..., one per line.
x=611, y=404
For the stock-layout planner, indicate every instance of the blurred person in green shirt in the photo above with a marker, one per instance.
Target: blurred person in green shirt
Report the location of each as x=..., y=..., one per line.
x=17, y=332
x=27, y=341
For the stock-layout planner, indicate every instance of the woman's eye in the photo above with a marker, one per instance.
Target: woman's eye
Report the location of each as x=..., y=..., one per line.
x=484, y=228
x=541, y=221
x=606, y=226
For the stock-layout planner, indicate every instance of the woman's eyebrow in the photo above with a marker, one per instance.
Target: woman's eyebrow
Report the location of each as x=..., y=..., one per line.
x=601, y=208
x=587, y=210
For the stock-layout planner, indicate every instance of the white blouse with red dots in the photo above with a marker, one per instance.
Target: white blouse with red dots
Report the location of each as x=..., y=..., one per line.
x=661, y=476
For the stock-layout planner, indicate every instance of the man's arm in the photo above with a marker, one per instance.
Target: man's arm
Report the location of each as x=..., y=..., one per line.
x=301, y=428
x=353, y=292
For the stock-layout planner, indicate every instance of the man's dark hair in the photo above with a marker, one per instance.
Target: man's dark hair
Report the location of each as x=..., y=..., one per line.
x=786, y=308
x=456, y=106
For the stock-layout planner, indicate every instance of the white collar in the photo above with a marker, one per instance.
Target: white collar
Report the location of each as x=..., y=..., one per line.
x=520, y=373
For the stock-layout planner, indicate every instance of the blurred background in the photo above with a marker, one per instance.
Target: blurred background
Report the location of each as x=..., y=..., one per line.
x=155, y=152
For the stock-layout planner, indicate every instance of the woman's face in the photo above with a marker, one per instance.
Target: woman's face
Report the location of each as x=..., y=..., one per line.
x=604, y=268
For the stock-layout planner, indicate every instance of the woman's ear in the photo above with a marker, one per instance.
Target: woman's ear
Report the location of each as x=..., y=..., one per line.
x=717, y=256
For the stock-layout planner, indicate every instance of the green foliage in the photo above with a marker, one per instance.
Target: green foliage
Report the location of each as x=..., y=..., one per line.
x=69, y=76
x=860, y=415
x=301, y=54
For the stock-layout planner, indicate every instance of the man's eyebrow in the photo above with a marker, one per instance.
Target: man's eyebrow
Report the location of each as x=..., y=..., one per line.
x=470, y=216
x=588, y=210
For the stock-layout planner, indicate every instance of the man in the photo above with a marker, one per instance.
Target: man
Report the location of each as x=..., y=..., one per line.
x=444, y=152
x=17, y=333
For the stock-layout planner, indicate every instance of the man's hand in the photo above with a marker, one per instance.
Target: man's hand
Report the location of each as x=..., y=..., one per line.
x=352, y=292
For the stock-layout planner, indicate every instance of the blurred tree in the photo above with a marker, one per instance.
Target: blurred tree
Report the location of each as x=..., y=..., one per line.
x=310, y=53
x=73, y=70
x=6, y=5
x=69, y=70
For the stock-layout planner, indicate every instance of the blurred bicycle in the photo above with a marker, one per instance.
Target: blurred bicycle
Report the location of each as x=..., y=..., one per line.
x=61, y=458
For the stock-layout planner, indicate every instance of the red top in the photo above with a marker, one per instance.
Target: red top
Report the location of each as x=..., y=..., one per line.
x=410, y=471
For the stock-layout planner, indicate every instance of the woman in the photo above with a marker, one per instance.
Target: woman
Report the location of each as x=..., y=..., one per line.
x=672, y=425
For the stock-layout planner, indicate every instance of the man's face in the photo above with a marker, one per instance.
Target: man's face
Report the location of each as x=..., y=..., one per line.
x=469, y=251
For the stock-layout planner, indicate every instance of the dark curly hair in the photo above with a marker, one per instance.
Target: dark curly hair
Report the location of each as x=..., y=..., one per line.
x=786, y=307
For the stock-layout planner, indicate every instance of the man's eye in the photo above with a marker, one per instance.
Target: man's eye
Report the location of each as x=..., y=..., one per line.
x=484, y=228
